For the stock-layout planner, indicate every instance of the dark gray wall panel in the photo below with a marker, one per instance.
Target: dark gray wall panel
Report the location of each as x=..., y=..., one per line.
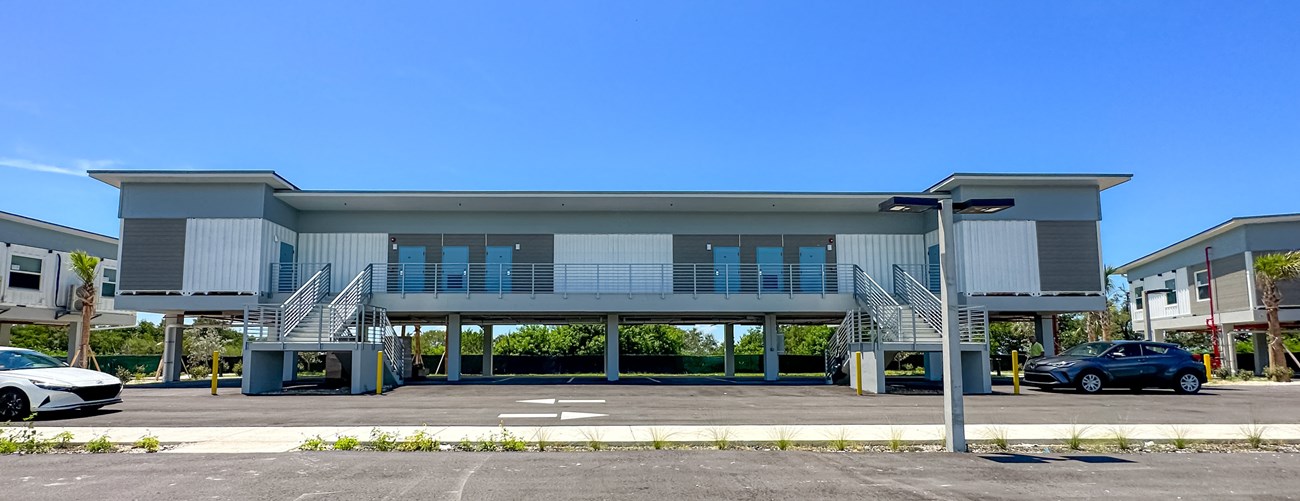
x=1231, y=291
x=1069, y=256
x=13, y=232
x=1272, y=236
x=277, y=211
x=142, y=201
x=1035, y=203
x=612, y=222
x=153, y=254
x=794, y=242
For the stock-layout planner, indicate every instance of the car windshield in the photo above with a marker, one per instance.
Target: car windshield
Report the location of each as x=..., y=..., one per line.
x=13, y=360
x=1087, y=350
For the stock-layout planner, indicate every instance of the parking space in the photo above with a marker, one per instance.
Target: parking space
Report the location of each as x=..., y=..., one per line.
x=673, y=401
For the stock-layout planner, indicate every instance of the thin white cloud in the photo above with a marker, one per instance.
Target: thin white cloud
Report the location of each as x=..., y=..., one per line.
x=77, y=167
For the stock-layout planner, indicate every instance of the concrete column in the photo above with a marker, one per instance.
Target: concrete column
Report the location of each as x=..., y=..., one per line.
x=74, y=329
x=872, y=372
x=933, y=365
x=954, y=406
x=611, y=348
x=977, y=374
x=172, y=361
x=729, y=350
x=1158, y=335
x=1044, y=334
x=6, y=337
x=1228, y=348
x=771, y=348
x=1260, y=340
x=453, y=347
x=290, y=366
x=487, y=350
x=262, y=370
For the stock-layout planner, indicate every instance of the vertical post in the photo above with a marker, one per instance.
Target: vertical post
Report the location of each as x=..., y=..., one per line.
x=611, y=348
x=1146, y=314
x=1209, y=374
x=74, y=340
x=216, y=370
x=379, y=372
x=170, y=368
x=729, y=350
x=954, y=412
x=453, y=347
x=771, y=348
x=487, y=350
x=1260, y=341
x=1015, y=371
x=857, y=369
x=5, y=337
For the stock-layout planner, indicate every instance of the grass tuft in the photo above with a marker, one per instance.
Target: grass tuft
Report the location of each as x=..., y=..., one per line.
x=595, y=439
x=784, y=438
x=1121, y=436
x=99, y=444
x=839, y=440
x=998, y=435
x=1178, y=437
x=896, y=442
x=1074, y=437
x=542, y=438
x=721, y=437
x=659, y=439
x=1254, y=434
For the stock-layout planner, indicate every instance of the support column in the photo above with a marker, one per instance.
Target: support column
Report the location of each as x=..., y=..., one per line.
x=954, y=406
x=453, y=347
x=771, y=348
x=6, y=336
x=1260, y=340
x=1228, y=348
x=487, y=350
x=933, y=365
x=729, y=350
x=172, y=363
x=1158, y=335
x=1044, y=334
x=290, y=366
x=74, y=329
x=611, y=348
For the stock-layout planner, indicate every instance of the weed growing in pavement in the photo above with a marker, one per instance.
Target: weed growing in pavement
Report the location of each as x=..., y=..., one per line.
x=594, y=438
x=1254, y=434
x=1074, y=437
x=895, y=439
x=1121, y=436
x=510, y=442
x=998, y=435
x=784, y=438
x=543, y=438
x=418, y=442
x=148, y=442
x=1178, y=437
x=382, y=441
x=313, y=444
x=465, y=444
x=64, y=440
x=659, y=439
x=346, y=443
x=99, y=444
x=839, y=440
x=721, y=437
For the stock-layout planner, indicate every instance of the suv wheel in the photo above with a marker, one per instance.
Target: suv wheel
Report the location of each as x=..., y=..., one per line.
x=1187, y=383
x=13, y=405
x=1089, y=382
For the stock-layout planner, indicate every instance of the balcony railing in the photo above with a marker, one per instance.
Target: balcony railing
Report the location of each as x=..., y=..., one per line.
x=288, y=277
x=614, y=279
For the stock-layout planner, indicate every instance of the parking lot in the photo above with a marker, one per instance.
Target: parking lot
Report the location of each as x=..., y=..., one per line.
x=676, y=401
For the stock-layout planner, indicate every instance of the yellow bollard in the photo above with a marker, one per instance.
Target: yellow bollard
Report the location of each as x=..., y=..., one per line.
x=1015, y=371
x=857, y=365
x=216, y=366
x=1208, y=372
x=379, y=374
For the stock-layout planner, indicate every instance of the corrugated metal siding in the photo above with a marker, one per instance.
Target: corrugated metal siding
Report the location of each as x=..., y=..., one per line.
x=223, y=255
x=105, y=303
x=272, y=235
x=1069, y=256
x=998, y=256
x=932, y=238
x=877, y=254
x=152, y=254
x=41, y=297
x=347, y=253
x=613, y=249
x=1159, y=307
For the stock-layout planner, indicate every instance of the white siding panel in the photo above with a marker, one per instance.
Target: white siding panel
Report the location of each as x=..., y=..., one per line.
x=1160, y=307
x=222, y=255
x=998, y=256
x=272, y=235
x=347, y=253
x=105, y=303
x=42, y=297
x=932, y=239
x=877, y=254
x=614, y=249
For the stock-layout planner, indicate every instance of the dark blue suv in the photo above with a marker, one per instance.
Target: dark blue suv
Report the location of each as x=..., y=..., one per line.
x=1090, y=367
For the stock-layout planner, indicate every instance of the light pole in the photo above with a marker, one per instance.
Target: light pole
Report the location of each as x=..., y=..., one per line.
x=954, y=410
x=1146, y=309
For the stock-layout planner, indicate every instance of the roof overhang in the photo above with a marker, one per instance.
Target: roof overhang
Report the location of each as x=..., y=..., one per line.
x=115, y=178
x=507, y=201
x=46, y=225
x=1100, y=181
x=1215, y=231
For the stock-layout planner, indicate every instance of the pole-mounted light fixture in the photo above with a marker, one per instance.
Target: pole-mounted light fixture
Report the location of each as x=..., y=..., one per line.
x=908, y=204
x=983, y=205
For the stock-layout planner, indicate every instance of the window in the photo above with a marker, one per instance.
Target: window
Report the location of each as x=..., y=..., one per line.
x=1154, y=350
x=1126, y=350
x=1202, y=285
x=24, y=359
x=109, y=286
x=25, y=272
x=1138, y=297
x=1171, y=297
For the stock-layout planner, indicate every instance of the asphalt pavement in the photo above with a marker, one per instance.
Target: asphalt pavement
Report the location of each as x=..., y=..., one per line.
x=648, y=475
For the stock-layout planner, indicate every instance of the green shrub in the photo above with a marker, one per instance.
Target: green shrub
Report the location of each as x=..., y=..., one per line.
x=313, y=444
x=62, y=440
x=1279, y=373
x=99, y=444
x=382, y=441
x=238, y=368
x=509, y=442
x=1223, y=373
x=199, y=371
x=346, y=443
x=125, y=375
x=148, y=442
x=7, y=445
x=418, y=442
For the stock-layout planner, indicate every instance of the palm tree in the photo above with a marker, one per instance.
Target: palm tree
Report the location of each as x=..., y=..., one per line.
x=85, y=267
x=1107, y=323
x=1270, y=269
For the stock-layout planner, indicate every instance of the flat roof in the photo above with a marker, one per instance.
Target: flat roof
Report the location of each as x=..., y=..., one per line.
x=1101, y=181
x=115, y=178
x=1214, y=231
x=552, y=201
x=9, y=216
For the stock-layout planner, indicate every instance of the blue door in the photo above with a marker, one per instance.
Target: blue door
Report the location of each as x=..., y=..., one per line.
x=812, y=269
x=497, y=275
x=726, y=269
x=770, y=264
x=455, y=269
x=932, y=268
x=412, y=269
x=288, y=274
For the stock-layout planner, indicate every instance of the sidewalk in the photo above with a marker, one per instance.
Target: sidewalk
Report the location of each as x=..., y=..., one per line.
x=269, y=439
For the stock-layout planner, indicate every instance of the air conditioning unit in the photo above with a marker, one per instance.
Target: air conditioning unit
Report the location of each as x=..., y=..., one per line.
x=74, y=304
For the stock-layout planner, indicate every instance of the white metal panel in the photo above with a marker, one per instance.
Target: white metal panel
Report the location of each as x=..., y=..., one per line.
x=105, y=303
x=222, y=255
x=347, y=253
x=931, y=239
x=4, y=271
x=877, y=254
x=272, y=235
x=613, y=249
x=998, y=256
x=1160, y=307
x=28, y=297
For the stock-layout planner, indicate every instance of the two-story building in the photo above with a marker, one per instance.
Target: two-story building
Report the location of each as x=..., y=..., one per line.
x=37, y=284
x=327, y=270
x=1208, y=279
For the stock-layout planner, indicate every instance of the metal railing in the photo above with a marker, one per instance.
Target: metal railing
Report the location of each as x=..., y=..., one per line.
x=886, y=314
x=926, y=304
x=289, y=277
x=345, y=305
x=927, y=274
x=837, y=350
x=303, y=300
x=613, y=279
x=973, y=324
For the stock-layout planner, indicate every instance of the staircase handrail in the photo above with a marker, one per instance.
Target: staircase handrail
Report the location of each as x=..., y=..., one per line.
x=886, y=313
x=303, y=300
x=925, y=303
x=344, y=308
x=837, y=349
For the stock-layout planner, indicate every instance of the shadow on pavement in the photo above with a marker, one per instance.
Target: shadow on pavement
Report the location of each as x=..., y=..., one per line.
x=1009, y=458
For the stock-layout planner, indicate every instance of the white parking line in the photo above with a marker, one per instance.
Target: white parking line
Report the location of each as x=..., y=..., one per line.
x=525, y=416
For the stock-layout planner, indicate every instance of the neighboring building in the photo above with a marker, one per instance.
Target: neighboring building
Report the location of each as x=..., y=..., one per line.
x=36, y=286
x=334, y=270
x=1227, y=283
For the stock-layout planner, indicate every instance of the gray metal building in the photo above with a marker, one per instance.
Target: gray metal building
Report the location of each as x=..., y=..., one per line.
x=1212, y=273
x=326, y=270
x=37, y=284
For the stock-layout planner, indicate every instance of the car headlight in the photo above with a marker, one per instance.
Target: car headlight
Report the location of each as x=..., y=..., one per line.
x=1064, y=363
x=50, y=385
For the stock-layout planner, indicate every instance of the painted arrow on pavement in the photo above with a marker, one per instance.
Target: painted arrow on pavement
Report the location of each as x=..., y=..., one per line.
x=565, y=416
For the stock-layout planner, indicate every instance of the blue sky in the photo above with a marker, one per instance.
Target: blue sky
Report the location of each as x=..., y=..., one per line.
x=1199, y=100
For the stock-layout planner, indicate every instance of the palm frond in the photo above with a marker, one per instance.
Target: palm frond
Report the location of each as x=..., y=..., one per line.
x=84, y=266
x=1279, y=267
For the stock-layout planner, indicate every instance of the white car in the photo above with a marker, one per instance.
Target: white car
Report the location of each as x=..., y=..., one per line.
x=32, y=382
